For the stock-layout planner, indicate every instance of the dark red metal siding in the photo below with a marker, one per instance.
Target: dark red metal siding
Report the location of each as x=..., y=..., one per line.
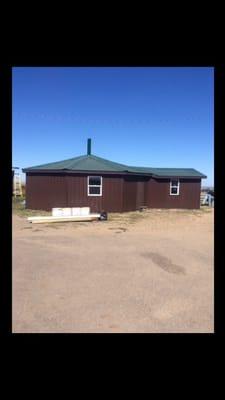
x=78, y=196
x=141, y=196
x=111, y=199
x=158, y=194
x=43, y=192
x=48, y=191
x=119, y=193
x=134, y=192
x=129, y=194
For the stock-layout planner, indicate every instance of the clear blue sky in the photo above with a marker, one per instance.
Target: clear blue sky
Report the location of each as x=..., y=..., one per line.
x=157, y=117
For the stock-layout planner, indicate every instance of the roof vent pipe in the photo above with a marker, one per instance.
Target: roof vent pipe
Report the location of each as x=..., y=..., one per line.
x=89, y=147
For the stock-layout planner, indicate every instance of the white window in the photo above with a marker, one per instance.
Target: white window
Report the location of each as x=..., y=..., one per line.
x=174, y=187
x=94, y=185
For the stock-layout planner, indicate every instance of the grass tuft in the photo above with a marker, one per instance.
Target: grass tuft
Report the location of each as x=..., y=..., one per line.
x=19, y=209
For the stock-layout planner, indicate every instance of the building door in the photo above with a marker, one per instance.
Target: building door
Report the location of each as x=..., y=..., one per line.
x=130, y=193
x=140, y=199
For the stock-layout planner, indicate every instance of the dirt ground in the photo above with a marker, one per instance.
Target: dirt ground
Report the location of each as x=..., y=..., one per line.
x=136, y=272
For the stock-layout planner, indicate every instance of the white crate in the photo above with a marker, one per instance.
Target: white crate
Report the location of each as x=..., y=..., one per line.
x=61, y=212
x=65, y=212
x=75, y=211
x=56, y=212
x=81, y=211
x=85, y=211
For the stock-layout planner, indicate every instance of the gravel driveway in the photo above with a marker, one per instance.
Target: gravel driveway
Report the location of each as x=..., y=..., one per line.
x=136, y=272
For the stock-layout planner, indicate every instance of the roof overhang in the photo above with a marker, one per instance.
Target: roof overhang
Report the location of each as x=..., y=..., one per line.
x=67, y=171
x=178, y=177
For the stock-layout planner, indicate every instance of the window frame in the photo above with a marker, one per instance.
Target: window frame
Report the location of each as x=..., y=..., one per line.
x=175, y=186
x=99, y=186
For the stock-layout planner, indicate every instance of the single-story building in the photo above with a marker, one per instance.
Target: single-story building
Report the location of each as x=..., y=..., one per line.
x=105, y=185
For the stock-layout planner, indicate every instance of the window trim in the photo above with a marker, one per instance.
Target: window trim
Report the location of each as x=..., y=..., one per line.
x=175, y=186
x=99, y=186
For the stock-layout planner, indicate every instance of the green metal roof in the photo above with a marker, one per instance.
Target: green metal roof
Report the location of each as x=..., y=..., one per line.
x=94, y=163
x=190, y=172
x=82, y=163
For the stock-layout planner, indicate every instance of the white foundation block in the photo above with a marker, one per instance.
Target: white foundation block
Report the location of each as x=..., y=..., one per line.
x=85, y=211
x=61, y=212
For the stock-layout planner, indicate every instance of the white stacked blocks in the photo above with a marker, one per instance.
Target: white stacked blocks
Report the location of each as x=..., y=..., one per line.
x=70, y=211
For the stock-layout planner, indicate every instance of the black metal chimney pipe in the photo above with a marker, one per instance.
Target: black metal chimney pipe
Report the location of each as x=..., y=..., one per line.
x=89, y=147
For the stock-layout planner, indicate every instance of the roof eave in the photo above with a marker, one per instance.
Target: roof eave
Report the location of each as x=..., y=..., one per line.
x=68, y=171
x=180, y=176
x=71, y=171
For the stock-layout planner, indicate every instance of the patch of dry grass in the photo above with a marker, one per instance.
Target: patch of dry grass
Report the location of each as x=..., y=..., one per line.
x=18, y=208
x=126, y=218
x=133, y=217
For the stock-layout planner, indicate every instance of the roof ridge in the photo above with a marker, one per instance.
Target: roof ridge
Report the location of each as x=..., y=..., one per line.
x=75, y=159
x=108, y=161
